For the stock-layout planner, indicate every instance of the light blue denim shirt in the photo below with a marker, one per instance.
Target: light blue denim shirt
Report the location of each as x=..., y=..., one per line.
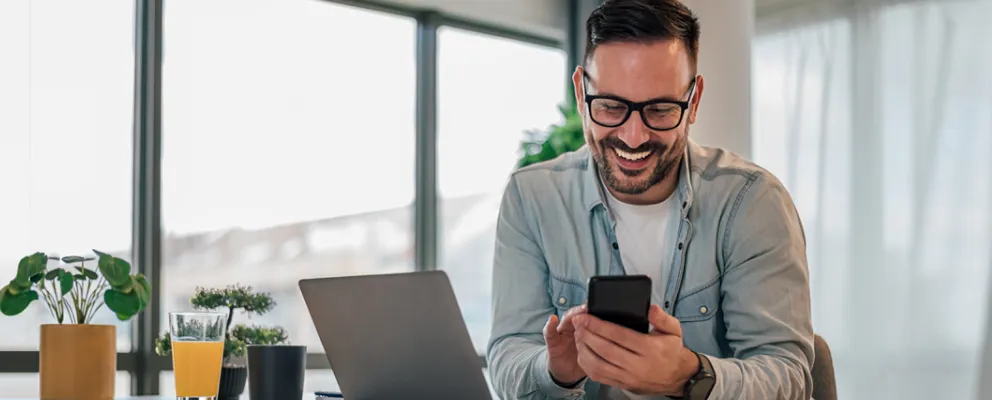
x=739, y=281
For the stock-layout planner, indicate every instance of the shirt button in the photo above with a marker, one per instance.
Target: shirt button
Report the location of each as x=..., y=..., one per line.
x=615, y=246
x=561, y=300
x=680, y=246
x=703, y=310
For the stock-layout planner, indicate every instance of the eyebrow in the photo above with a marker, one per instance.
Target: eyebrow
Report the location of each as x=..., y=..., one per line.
x=653, y=99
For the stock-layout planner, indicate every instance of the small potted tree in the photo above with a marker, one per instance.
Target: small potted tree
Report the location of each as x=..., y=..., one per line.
x=74, y=293
x=234, y=373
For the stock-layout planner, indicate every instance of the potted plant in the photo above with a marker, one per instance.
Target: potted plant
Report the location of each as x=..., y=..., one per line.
x=78, y=359
x=236, y=297
x=542, y=145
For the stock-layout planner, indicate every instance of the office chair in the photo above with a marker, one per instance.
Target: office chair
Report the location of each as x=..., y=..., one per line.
x=824, y=383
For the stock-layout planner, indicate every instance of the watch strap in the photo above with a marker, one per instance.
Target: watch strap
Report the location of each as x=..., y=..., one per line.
x=704, y=376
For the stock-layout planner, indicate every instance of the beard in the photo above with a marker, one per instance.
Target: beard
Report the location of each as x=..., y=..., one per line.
x=626, y=181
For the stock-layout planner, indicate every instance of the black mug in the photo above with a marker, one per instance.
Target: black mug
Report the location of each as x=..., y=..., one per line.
x=276, y=372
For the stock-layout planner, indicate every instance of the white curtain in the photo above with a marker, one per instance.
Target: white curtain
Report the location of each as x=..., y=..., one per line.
x=878, y=118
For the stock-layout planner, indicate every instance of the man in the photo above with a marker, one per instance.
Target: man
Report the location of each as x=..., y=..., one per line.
x=719, y=237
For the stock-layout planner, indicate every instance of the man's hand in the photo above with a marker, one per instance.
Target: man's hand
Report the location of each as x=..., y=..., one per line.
x=654, y=363
x=562, y=354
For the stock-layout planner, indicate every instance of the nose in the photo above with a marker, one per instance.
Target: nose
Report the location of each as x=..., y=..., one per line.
x=633, y=132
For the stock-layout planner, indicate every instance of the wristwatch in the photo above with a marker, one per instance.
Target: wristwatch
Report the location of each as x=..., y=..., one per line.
x=701, y=384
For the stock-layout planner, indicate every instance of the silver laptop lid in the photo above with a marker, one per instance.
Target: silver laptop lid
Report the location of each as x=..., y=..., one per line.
x=395, y=336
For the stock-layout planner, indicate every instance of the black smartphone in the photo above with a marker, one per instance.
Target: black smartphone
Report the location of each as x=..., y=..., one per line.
x=623, y=300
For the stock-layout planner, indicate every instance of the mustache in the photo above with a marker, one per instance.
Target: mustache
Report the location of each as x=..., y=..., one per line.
x=615, y=142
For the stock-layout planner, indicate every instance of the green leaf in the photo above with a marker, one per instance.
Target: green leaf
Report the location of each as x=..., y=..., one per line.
x=123, y=304
x=54, y=274
x=66, y=279
x=15, y=304
x=163, y=345
x=259, y=335
x=545, y=145
x=87, y=273
x=29, y=267
x=234, y=297
x=37, y=277
x=13, y=288
x=126, y=288
x=143, y=288
x=116, y=270
x=72, y=259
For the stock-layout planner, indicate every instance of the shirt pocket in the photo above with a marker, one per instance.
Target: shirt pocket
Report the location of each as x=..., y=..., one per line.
x=566, y=294
x=699, y=304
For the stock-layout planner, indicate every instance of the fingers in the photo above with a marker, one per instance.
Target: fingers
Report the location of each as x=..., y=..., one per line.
x=567, y=324
x=664, y=323
x=606, y=349
x=597, y=368
x=551, y=328
x=622, y=336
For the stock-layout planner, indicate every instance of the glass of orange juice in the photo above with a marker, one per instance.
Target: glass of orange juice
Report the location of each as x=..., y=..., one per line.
x=197, y=353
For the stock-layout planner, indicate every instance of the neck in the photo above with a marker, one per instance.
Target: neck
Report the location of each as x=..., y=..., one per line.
x=654, y=195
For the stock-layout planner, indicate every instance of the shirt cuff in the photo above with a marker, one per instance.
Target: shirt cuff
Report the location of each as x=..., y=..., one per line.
x=548, y=385
x=729, y=378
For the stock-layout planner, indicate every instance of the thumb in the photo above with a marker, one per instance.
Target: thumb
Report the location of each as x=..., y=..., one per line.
x=664, y=323
x=551, y=328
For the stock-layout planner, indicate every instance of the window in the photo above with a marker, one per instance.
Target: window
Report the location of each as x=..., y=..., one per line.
x=288, y=137
x=66, y=88
x=880, y=126
x=490, y=91
x=26, y=385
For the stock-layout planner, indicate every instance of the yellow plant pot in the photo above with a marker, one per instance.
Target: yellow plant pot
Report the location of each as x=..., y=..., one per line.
x=78, y=362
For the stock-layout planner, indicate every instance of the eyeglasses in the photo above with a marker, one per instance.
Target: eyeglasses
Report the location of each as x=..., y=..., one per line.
x=613, y=111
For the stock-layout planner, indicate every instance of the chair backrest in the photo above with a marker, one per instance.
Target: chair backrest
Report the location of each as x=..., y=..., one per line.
x=824, y=383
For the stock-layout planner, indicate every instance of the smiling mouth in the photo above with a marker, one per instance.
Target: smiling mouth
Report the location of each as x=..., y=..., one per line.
x=628, y=156
x=633, y=163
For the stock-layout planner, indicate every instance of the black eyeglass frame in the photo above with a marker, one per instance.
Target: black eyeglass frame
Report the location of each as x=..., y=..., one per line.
x=638, y=106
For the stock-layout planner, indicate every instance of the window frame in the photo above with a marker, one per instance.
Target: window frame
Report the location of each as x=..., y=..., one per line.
x=141, y=362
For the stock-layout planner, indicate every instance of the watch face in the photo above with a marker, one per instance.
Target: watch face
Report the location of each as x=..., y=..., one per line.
x=702, y=387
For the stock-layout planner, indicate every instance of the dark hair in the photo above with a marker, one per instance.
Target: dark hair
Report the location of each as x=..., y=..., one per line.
x=643, y=21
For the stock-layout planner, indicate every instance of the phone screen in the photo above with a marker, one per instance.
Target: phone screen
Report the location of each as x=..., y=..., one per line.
x=623, y=300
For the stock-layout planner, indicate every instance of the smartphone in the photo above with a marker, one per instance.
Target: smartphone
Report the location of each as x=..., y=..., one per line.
x=623, y=300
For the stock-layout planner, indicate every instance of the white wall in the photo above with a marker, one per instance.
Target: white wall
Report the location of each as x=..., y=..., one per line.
x=725, y=62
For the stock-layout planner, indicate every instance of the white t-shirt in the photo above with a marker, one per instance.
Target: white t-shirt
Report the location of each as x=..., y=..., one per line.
x=647, y=236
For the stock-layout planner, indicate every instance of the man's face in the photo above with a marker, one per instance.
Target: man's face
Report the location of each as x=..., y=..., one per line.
x=641, y=152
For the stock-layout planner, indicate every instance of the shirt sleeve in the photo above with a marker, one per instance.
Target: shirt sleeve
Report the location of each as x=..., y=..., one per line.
x=766, y=299
x=517, y=353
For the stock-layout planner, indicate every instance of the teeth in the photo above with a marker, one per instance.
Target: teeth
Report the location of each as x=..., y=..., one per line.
x=632, y=156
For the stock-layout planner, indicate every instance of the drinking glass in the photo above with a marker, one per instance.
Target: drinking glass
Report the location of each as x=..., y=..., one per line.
x=197, y=353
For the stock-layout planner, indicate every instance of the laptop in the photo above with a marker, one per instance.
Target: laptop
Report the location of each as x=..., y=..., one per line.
x=395, y=336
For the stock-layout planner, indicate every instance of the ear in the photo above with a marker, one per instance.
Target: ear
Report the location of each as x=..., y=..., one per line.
x=694, y=107
x=579, y=89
